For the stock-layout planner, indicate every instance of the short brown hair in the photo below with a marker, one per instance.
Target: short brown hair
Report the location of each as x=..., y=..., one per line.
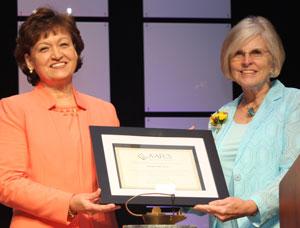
x=40, y=23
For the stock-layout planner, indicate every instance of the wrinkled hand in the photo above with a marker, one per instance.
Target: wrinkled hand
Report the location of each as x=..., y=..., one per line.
x=228, y=208
x=88, y=203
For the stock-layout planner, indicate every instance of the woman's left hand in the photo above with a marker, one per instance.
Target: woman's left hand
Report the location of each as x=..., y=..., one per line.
x=89, y=203
x=228, y=208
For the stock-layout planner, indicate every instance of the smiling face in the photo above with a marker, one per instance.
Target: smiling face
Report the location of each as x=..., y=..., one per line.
x=251, y=65
x=53, y=58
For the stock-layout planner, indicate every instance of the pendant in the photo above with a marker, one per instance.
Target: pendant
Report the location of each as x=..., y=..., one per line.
x=251, y=112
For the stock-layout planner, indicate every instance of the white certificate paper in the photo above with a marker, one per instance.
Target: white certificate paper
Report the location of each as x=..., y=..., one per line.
x=147, y=167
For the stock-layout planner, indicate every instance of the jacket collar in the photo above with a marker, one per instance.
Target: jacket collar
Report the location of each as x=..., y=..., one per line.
x=48, y=101
x=266, y=108
x=275, y=93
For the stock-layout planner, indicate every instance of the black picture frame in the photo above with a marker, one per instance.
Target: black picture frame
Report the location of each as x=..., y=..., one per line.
x=122, y=152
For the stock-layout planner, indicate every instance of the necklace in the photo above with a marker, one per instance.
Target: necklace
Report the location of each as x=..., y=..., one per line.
x=67, y=111
x=250, y=111
x=255, y=102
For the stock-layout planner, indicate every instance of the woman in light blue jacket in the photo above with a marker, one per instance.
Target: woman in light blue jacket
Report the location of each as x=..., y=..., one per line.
x=258, y=134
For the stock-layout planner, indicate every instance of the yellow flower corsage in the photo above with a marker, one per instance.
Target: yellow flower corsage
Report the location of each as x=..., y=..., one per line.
x=217, y=119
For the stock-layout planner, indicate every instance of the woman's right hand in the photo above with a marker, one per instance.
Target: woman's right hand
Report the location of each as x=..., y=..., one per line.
x=89, y=203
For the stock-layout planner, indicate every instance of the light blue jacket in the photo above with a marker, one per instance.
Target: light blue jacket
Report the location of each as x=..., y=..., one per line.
x=267, y=150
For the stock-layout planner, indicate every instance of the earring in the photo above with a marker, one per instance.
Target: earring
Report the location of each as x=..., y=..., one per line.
x=272, y=74
x=30, y=70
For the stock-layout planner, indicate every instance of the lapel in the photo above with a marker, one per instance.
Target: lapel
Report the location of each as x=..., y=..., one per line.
x=230, y=109
x=44, y=99
x=84, y=121
x=266, y=108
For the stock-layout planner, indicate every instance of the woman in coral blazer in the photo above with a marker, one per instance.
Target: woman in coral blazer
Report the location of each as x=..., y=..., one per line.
x=47, y=170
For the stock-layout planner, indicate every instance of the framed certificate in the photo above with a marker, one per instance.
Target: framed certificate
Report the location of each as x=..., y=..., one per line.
x=155, y=163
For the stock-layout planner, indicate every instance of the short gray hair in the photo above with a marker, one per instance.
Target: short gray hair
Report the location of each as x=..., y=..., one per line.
x=247, y=29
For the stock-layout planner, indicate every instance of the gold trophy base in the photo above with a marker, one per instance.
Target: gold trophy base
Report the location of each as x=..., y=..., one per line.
x=157, y=217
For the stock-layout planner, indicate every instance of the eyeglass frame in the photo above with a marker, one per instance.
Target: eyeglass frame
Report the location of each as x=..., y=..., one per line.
x=254, y=54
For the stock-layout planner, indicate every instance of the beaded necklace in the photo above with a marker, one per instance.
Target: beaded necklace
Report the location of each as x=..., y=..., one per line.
x=67, y=111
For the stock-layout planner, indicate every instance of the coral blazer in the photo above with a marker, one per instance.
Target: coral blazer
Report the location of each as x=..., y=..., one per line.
x=39, y=169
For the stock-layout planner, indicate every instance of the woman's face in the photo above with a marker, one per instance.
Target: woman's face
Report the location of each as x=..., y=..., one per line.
x=53, y=58
x=251, y=65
